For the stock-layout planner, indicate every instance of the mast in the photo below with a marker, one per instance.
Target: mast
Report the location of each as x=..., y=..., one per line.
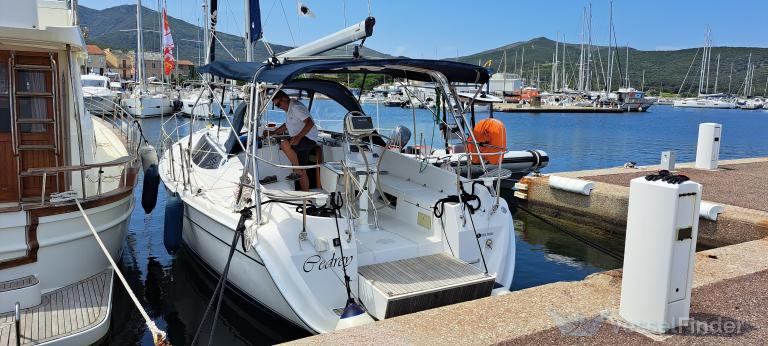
x=580, y=83
x=717, y=71
x=522, y=63
x=730, y=78
x=248, y=42
x=588, y=71
x=139, y=48
x=515, y=69
x=555, y=62
x=206, y=36
x=703, y=76
x=563, y=82
x=626, y=69
x=552, y=74
x=160, y=30
x=610, y=52
x=709, y=59
x=212, y=39
x=504, y=83
x=747, y=78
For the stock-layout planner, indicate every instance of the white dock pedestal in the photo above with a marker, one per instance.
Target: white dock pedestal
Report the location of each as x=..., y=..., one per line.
x=662, y=226
x=708, y=146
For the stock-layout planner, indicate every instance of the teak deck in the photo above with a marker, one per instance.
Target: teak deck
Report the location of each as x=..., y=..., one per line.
x=63, y=312
x=421, y=274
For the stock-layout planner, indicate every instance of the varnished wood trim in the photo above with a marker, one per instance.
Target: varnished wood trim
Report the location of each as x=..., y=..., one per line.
x=35, y=212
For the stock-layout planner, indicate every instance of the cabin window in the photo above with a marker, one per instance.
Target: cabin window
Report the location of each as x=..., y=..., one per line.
x=205, y=155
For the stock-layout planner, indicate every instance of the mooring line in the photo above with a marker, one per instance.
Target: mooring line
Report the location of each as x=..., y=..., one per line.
x=158, y=335
x=619, y=257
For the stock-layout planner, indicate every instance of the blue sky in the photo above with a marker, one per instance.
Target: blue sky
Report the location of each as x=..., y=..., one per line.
x=440, y=29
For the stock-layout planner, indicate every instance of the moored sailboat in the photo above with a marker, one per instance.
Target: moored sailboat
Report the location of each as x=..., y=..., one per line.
x=145, y=101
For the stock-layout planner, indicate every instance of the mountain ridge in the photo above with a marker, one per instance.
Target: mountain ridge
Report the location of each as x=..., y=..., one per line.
x=115, y=28
x=663, y=69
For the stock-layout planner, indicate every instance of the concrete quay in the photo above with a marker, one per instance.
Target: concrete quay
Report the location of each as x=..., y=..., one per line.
x=730, y=281
x=586, y=312
x=738, y=185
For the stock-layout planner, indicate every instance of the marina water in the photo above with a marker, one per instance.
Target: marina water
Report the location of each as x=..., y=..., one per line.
x=176, y=289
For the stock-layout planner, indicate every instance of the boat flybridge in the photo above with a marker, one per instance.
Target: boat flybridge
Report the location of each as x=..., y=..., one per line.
x=379, y=234
x=58, y=165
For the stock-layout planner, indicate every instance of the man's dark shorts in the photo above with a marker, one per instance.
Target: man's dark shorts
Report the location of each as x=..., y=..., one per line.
x=304, y=145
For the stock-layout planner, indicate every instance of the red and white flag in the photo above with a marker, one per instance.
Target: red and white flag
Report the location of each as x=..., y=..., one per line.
x=168, y=61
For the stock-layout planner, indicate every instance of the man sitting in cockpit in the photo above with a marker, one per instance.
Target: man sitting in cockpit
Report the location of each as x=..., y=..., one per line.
x=302, y=131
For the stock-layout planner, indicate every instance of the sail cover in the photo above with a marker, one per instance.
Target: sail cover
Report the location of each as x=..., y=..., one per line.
x=168, y=61
x=255, y=17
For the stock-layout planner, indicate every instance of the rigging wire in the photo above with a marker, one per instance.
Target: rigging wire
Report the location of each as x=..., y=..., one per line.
x=285, y=15
x=231, y=13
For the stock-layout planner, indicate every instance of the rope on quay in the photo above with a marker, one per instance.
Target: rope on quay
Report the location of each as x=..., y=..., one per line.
x=158, y=335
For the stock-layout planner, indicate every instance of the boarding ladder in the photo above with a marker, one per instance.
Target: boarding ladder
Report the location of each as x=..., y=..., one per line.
x=21, y=122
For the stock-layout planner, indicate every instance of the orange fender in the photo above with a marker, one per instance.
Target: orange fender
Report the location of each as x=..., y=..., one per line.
x=492, y=137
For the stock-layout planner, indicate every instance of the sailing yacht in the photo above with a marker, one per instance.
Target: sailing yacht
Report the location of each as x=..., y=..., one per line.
x=378, y=229
x=145, y=102
x=705, y=100
x=704, y=103
x=55, y=282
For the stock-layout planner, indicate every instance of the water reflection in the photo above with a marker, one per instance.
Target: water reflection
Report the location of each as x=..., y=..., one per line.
x=545, y=254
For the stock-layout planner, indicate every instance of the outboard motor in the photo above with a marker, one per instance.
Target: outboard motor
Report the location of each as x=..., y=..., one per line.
x=148, y=156
x=400, y=136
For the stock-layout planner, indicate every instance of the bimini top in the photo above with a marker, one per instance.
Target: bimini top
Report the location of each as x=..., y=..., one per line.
x=333, y=90
x=414, y=69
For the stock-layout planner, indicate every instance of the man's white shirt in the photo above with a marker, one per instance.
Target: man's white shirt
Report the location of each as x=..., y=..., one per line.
x=294, y=120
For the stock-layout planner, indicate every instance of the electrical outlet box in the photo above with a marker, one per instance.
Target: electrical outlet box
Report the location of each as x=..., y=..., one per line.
x=659, y=253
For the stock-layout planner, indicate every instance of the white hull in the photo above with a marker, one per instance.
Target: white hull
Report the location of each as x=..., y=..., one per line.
x=202, y=109
x=704, y=103
x=301, y=283
x=143, y=107
x=210, y=240
x=67, y=253
x=66, y=236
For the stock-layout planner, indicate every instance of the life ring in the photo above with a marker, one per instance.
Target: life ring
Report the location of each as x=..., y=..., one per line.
x=492, y=136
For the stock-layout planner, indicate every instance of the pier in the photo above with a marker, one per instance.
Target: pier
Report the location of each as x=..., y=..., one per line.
x=518, y=108
x=586, y=311
x=738, y=186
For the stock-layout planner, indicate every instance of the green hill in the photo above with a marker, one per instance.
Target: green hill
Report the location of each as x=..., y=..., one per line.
x=115, y=27
x=662, y=68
